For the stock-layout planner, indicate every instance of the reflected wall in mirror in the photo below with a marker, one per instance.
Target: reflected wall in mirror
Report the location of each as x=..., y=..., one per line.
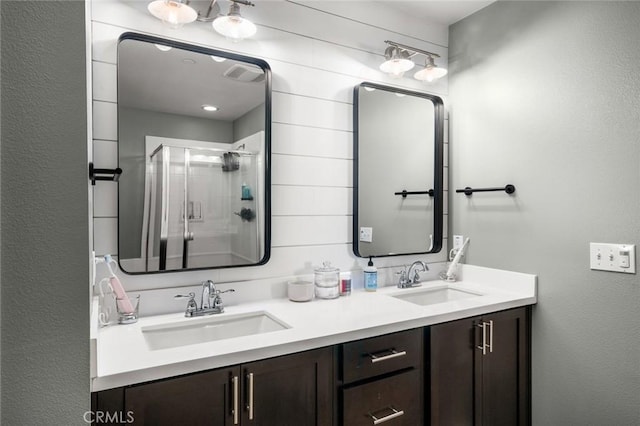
x=194, y=147
x=398, y=143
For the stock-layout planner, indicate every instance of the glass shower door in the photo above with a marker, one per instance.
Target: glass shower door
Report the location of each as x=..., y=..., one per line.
x=166, y=241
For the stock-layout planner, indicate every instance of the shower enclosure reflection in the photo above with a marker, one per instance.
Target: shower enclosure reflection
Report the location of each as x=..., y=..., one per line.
x=202, y=204
x=194, y=144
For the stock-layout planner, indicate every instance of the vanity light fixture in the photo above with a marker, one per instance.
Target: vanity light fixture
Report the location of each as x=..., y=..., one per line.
x=233, y=25
x=430, y=71
x=398, y=61
x=174, y=13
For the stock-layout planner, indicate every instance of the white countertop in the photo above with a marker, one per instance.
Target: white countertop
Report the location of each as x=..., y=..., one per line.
x=122, y=356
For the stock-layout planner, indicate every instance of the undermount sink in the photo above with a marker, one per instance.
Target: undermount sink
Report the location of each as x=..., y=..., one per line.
x=208, y=329
x=432, y=296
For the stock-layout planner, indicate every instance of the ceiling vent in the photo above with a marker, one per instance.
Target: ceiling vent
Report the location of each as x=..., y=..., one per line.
x=244, y=74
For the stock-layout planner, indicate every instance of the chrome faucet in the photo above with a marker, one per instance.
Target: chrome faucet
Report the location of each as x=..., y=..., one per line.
x=407, y=280
x=208, y=290
x=210, y=301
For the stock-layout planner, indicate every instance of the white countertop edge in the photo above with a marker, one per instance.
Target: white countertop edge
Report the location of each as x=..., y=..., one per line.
x=521, y=292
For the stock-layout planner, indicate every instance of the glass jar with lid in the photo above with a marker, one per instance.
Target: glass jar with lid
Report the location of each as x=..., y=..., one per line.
x=327, y=280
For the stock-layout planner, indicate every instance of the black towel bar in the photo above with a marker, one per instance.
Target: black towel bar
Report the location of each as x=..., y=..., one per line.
x=509, y=189
x=404, y=193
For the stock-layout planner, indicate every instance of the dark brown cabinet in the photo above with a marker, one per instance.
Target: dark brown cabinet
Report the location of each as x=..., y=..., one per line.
x=291, y=390
x=382, y=380
x=478, y=370
x=473, y=371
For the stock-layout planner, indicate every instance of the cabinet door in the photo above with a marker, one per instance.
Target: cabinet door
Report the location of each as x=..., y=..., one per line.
x=451, y=370
x=197, y=399
x=470, y=386
x=504, y=374
x=292, y=390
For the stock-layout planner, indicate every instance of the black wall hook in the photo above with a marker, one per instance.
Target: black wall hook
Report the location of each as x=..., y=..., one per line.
x=103, y=174
x=509, y=189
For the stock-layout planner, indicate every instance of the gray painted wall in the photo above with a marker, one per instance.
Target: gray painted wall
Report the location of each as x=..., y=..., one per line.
x=250, y=123
x=546, y=96
x=44, y=214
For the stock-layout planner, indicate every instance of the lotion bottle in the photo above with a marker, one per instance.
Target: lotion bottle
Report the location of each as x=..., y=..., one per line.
x=370, y=276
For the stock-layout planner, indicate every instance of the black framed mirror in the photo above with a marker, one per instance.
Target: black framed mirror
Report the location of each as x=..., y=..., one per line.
x=194, y=144
x=398, y=171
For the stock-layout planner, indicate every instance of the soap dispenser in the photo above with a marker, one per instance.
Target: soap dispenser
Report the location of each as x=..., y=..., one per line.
x=370, y=276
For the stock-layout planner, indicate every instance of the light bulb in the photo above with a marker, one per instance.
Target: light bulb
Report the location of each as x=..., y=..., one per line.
x=172, y=12
x=234, y=27
x=430, y=73
x=396, y=67
x=397, y=62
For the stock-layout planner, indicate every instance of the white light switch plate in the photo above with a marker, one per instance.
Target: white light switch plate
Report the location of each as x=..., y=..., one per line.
x=366, y=234
x=613, y=257
x=458, y=241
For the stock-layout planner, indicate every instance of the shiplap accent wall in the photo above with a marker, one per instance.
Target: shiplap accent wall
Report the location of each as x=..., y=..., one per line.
x=317, y=57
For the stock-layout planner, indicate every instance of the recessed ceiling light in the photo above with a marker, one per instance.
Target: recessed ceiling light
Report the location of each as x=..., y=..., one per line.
x=210, y=108
x=163, y=47
x=218, y=58
x=188, y=61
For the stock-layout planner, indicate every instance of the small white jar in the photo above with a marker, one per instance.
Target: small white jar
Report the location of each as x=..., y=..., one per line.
x=300, y=290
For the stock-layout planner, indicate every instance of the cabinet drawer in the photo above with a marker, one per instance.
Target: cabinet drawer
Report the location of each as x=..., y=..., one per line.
x=393, y=401
x=383, y=354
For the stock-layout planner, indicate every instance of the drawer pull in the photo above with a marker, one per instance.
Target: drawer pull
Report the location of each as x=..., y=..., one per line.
x=378, y=420
x=393, y=354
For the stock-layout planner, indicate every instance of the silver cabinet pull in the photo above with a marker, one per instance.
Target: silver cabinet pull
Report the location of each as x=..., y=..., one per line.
x=234, y=381
x=491, y=336
x=483, y=326
x=378, y=420
x=250, y=402
x=393, y=354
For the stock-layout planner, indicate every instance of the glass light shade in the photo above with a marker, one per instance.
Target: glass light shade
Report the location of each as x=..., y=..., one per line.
x=172, y=12
x=396, y=67
x=430, y=73
x=397, y=62
x=234, y=27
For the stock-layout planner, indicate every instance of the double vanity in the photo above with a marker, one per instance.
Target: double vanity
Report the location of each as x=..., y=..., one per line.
x=437, y=354
x=442, y=353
